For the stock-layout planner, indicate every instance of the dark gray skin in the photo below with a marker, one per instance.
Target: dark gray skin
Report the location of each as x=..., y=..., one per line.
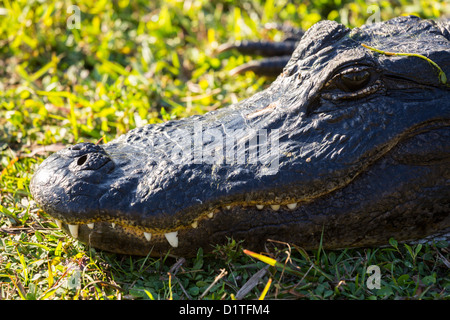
x=277, y=54
x=363, y=151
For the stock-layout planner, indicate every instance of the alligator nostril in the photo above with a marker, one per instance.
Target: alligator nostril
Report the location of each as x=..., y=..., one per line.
x=82, y=160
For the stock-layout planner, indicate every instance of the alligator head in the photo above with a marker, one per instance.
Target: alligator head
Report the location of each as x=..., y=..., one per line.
x=347, y=146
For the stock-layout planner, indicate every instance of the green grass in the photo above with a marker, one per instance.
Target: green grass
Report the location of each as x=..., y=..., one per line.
x=139, y=62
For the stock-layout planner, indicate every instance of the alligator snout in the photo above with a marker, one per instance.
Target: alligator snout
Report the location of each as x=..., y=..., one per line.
x=72, y=179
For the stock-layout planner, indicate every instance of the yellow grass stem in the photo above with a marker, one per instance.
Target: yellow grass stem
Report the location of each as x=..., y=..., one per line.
x=442, y=76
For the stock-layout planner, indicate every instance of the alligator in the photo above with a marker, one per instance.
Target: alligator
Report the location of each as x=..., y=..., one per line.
x=348, y=147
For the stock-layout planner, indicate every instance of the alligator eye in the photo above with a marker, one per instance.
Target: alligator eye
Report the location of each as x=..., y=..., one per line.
x=354, y=81
x=350, y=79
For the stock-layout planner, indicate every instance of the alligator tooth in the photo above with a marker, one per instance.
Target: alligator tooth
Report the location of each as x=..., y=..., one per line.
x=73, y=228
x=90, y=225
x=228, y=207
x=147, y=236
x=194, y=224
x=113, y=225
x=58, y=223
x=292, y=206
x=210, y=215
x=259, y=206
x=172, y=237
x=275, y=207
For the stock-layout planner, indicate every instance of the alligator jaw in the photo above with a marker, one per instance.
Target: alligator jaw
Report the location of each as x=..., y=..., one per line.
x=171, y=236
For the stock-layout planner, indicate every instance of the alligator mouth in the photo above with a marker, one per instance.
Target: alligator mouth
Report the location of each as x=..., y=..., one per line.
x=170, y=234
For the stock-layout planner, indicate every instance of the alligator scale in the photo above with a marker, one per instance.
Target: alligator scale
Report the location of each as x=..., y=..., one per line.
x=347, y=145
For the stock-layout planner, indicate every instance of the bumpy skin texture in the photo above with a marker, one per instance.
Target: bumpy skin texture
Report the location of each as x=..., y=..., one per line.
x=362, y=145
